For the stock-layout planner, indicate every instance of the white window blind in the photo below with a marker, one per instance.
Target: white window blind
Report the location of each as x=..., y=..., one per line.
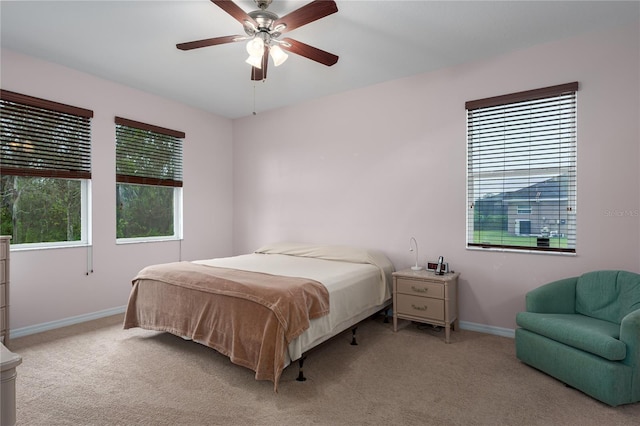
x=521, y=156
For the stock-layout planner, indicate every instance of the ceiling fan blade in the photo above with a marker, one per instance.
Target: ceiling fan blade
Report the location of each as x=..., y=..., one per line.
x=310, y=52
x=235, y=11
x=310, y=12
x=208, y=42
x=258, y=74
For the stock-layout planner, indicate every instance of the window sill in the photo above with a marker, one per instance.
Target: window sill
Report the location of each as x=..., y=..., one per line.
x=142, y=240
x=43, y=246
x=522, y=251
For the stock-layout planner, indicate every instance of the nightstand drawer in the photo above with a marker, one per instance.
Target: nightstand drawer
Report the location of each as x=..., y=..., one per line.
x=2, y=295
x=2, y=268
x=424, y=307
x=2, y=320
x=420, y=288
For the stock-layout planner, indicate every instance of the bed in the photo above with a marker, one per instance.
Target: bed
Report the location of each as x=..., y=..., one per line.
x=264, y=309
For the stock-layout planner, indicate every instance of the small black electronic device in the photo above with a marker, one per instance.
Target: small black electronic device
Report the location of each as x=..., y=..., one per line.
x=432, y=265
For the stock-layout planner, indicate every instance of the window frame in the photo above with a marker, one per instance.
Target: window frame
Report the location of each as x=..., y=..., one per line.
x=78, y=172
x=151, y=181
x=565, y=167
x=523, y=210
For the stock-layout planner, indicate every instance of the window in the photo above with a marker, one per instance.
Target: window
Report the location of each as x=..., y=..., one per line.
x=45, y=171
x=524, y=210
x=148, y=181
x=521, y=159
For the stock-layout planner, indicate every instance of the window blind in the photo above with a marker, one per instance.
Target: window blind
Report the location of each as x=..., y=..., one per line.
x=521, y=170
x=147, y=154
x=44, y=138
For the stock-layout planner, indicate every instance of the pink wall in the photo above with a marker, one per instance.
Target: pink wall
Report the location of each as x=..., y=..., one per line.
x=355, y=168
x=52, y=285
x=361, y=168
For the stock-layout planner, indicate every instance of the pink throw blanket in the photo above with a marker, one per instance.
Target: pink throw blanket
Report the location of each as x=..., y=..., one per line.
x=248, y=316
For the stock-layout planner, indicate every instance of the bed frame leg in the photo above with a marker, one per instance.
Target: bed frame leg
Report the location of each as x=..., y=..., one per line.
x=353, y=336
x=301, y=377
x=386, y=315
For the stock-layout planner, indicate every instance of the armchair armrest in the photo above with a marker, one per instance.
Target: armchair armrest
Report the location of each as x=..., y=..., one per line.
x=630, y=335
x=557, y=297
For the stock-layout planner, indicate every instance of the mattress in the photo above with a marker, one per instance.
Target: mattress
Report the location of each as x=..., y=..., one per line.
x=356, y=290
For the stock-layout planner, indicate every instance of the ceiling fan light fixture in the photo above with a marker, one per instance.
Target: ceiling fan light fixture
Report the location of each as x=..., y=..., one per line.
x=255, y=46
x=278, y=55
x=255, y=61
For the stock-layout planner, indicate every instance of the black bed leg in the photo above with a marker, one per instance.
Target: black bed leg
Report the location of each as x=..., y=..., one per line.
x=386, y=315
x=301, y=377
x=353, y=336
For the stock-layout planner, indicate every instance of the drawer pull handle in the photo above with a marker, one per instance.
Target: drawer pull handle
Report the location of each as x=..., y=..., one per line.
x=418, y=289
x=419, y=308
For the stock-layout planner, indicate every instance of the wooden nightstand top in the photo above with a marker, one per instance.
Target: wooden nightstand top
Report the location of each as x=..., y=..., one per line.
x=424, y=274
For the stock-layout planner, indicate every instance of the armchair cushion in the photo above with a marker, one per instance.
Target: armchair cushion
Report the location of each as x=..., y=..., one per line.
x=608, y=295
x=588, y=334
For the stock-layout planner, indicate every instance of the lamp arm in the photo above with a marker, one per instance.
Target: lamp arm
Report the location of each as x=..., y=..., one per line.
x=412, y=242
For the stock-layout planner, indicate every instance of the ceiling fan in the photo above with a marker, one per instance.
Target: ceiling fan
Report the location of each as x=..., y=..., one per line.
x=263, y=29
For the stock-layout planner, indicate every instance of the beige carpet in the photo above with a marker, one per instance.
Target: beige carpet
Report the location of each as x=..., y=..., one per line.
x=98, y=374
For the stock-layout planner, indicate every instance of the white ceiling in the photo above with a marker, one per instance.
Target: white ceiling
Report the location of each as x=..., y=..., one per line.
x=133, y=43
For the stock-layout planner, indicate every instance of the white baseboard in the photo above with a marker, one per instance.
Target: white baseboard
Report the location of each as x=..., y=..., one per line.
x=39, y=328
x=489, y=329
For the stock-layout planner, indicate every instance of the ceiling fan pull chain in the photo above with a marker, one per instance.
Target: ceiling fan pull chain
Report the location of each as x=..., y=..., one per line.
x=254, y=98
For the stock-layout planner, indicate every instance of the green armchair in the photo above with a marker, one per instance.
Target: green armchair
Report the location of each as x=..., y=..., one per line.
x=585, y=331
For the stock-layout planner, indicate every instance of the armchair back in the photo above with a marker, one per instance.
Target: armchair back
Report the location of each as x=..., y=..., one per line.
x=608, y=295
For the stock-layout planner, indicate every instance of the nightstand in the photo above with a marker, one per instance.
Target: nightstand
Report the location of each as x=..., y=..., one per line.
x=425, y=297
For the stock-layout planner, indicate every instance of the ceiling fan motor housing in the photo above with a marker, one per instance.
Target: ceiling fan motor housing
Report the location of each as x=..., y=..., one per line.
x=264, y=19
